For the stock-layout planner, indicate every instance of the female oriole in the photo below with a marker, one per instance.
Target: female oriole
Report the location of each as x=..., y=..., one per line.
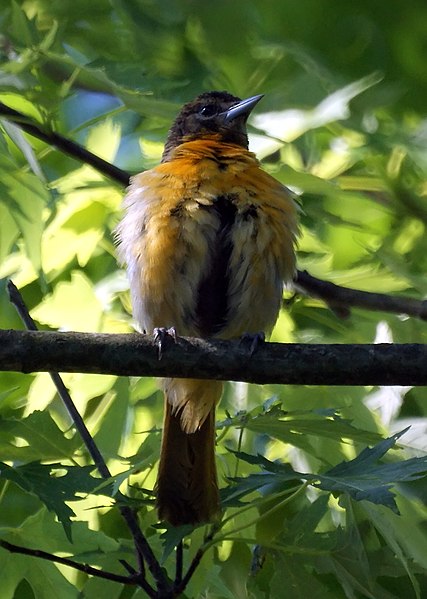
x=208, y=238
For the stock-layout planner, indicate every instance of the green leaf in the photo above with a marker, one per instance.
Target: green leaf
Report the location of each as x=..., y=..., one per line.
x=36, y=437
x=396, y=536
x=53, y=484
x=9, y=231
x=22, y=28
x=24, y=196
x=364, y=478
x=44, y=578
x=22, y=143
x=292, y=429
x=36, y=479
x=42, y=531
x=305, y=181
x=172, y=536
x=275, y=477
x=60, y=310
x=300, y=582
x=49, y=38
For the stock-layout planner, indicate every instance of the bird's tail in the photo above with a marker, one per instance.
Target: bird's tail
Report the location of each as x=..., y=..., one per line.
x=187, y=487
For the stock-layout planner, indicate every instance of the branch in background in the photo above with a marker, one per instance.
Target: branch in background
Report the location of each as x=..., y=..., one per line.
x=143, y=549
x=340, y=298
x=137, y=355
x=67, y=146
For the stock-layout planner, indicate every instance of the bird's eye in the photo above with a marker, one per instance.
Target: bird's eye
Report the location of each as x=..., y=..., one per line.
x=208, y=111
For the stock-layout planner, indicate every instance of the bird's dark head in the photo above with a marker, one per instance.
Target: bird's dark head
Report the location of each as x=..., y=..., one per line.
x=211, y=113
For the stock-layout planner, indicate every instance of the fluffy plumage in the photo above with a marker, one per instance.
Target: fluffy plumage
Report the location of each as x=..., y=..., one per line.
x=208, y=238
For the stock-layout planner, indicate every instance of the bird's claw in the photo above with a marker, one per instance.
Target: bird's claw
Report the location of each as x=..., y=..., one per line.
x=162, y=336
x=254, y=340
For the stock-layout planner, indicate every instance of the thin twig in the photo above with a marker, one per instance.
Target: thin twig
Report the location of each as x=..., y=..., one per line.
x=130, y=580
x=66, y=145
x=197, y=558
x=179, y=563
x=341, y=298
x=17, y=300
x=142, y=547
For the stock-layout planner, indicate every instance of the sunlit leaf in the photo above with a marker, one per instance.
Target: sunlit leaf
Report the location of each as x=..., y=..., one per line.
x=364, y=478
x=36, y=437
x=60, y=310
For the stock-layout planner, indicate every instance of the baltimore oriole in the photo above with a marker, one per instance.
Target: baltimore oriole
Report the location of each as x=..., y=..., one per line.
x=208, y=239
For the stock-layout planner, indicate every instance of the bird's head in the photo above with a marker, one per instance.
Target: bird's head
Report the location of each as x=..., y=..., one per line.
x=212, y=113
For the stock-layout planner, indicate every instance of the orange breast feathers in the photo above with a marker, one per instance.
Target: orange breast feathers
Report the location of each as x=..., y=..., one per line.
x=208, y=238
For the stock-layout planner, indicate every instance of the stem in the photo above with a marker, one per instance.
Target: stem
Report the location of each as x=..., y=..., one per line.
x=263, y=515
x=239, y=448
x=179, y=563
x=253, y=505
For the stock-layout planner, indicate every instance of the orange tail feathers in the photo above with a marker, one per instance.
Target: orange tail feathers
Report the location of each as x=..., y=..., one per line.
x=187, y=486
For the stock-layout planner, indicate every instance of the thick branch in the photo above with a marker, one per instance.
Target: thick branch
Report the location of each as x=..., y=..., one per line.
x=137, y=355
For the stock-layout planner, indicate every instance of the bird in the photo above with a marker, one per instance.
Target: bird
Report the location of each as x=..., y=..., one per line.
x=208, y=239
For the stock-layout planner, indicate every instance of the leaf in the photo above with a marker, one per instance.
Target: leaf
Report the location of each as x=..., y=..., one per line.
x=111, y=418
x=36, y=437
x=53, y=484
x=294, y=430
x=307, y=182
x=49, y=38
x=300, y=582
x=172, y=536
x=364, y=478
x=275, y=477
x=60, y=309
x=16, y=135
x=43, y=577
x=42, y=531
x=22, y=28
x=290, y=124
x=394, y=535
x=9, y=231
x=25, y=197
x=36, y=479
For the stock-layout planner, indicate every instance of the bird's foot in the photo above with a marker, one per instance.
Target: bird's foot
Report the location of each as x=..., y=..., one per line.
x=253, y=340
x=163, y=336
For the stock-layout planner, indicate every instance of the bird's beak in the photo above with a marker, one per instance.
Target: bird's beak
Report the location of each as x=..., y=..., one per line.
x=243, y=108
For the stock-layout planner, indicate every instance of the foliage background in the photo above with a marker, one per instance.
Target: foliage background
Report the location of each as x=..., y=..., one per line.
x=344, y=123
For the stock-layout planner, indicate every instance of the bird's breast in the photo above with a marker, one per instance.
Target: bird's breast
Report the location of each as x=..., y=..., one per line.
x=208, y=238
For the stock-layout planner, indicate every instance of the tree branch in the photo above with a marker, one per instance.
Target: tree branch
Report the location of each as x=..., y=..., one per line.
x=137, y=355
x=131, y=580
x=342, y=297
x=67, y=146
x=181, y=584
